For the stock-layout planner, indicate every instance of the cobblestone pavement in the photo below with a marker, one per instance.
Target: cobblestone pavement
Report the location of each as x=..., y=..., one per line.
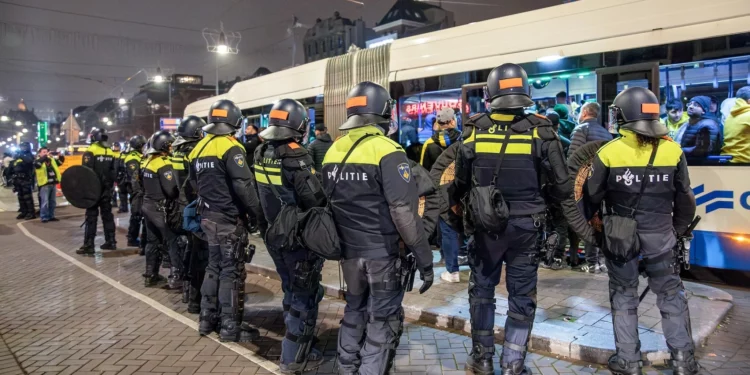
x=55, y=317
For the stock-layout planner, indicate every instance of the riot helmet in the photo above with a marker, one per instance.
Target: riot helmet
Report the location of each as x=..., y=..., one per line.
x=224, y=117
x=189, y=130
x=24, y=147
x=98, y=135
x=368, y=104
x=160, y=142
x=288, y=119
x=508, y=88
x=637, y=109
x=136, y=142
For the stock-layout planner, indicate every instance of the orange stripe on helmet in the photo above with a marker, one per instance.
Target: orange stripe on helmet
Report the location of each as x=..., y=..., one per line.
x=650, y=108
x=219, y=112
x=357, y=101
x=510, y=83
x=279, y=114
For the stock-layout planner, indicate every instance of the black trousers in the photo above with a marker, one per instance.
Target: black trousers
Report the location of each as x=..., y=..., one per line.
x=24, y=190
x=124, y=190
x=517, y=248
x=103, y=208
x=159, y=234
x=223, y=288
x=373, y=317
x=196, y=263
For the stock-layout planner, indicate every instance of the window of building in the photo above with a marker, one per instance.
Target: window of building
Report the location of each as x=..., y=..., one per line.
x=341, y=41
x=323, y=45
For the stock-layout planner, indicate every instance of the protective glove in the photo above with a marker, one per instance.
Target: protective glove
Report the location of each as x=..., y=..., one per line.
x=428, y=276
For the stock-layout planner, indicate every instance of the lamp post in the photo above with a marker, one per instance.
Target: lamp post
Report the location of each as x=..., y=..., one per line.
x=221, y=42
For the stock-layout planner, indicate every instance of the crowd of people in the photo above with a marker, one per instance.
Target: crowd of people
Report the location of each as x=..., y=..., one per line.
x=487, y=195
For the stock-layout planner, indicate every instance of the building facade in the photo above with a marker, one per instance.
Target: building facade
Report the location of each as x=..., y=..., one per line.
x=333, y=36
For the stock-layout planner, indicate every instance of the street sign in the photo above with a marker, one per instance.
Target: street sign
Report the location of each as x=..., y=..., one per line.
x=42, y=127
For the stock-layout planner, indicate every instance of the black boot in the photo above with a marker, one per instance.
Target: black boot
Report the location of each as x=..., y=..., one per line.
x=29, y=216
x=314, y=360
x=175, y=279
x=619, y=366
x=479, y=363
x=134, y=242
x=516, y=368
x=142, y=252
x=234, y=331
x=194, y=301
x=683, y=363
x=87, y=248
x=207, y=323
x=153, y=280
x=109, y=242
x=21, y=215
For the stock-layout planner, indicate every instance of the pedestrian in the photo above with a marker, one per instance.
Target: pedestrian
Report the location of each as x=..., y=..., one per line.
x=676, y=117
x=159, y=183
x=227, y=191
x=286, y=176
x=23, y=181
x=737, y=128
x=7, y=170
x=445, y=135
x=499, y=166
x=252, y=141
x=374, y=206
x=47, y=177
x=320, y=146
x=589, y=130
x=642, y=182
x=701, y=136
x=101, y=160
x=189, y=133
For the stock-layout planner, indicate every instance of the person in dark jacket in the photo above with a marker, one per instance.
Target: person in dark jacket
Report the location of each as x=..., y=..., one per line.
x=320, y=146
x=23, y=180
x=589, y=130
x=444, y=137
x=702, y=135
x=252, y=141
x=566, y=126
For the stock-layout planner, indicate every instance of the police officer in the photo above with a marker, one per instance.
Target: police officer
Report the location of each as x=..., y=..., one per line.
x=512, y=152
x=189, y=133
x=131, y=165
x=645, y=177
x=226, y=190
x=100, y=158
x=374, y=205
x=23, y=180
x=117, y=154
x=285, y=174
x=123, y=183
x=159, y=185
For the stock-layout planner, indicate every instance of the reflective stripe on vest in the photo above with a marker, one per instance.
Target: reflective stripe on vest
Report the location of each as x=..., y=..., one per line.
x=41, y=173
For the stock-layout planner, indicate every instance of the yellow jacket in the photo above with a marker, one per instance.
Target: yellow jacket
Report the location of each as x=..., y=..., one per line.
x=674, y=126
x=737, y=133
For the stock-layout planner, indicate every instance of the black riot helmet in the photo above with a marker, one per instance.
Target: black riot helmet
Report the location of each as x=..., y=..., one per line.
x=24, y=147
x=189, y=130
x=160, y=142
x=508, y=88
x=224, y=117
x=288, y=119
x=136, y=142
x=368, y=104
x=637, y=109
x=98, y=135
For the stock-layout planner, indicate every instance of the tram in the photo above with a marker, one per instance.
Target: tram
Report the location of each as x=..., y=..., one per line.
x=590, y=50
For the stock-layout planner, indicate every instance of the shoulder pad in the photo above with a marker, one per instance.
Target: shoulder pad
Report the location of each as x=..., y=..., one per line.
x=290, y=150
x=547, y=133
x=529, y=122
x=481, y=121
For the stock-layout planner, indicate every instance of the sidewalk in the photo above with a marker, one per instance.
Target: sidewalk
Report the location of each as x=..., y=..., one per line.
x=572, y=319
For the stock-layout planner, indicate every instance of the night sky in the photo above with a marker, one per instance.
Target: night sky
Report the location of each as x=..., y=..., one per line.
x=58, y=54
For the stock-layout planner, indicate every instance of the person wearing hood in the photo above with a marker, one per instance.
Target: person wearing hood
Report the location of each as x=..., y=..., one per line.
x=701, y=136
x=446, y=135
x=737, y=128
x=565, y=126
x=320, y=146
x=676, y=117
x=252, y=140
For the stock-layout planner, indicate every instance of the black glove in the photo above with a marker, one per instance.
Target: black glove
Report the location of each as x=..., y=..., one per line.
x=428, y=277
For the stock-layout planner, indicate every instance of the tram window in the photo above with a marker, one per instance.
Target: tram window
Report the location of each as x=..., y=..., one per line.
x=707, y=130
x=417, y=114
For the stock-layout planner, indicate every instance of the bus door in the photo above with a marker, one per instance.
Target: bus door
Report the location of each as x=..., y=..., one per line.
x=612, y=81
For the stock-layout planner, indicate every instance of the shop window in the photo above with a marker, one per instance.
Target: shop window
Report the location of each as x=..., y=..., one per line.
x=417, y=114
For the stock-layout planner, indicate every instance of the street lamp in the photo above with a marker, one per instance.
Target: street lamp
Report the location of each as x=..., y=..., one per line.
x=19, y=123
x=109, y=123
x=105, y=119
x=57, y=139
x=221, y=42
x=25, y=130
x=158, y=77
x=4, y=118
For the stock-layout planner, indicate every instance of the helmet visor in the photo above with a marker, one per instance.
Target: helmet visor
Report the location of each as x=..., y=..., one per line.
x=615, y=116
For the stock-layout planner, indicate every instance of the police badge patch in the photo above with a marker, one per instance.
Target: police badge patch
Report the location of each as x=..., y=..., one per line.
x=239, y=159
x=168, y=175
x=405, y=171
